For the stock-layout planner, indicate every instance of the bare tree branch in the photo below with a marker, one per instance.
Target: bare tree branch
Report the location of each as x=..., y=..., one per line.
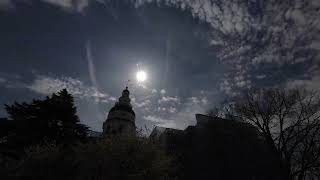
x=290, y=122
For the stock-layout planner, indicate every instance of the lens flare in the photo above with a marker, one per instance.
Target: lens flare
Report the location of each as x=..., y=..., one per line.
x=141, y=76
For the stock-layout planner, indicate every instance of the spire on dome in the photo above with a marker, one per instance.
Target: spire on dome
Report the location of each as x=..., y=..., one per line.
x=125, y=99
x=126, y=92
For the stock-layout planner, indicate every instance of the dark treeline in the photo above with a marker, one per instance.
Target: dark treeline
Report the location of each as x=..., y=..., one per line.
x=52, y=120
x=44, y=139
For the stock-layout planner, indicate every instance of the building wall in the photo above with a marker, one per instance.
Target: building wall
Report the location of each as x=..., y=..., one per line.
x=219, y=149
x=119, y=123
x=121, y=115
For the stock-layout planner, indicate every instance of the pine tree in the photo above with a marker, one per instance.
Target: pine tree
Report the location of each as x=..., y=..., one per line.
x=50, y=120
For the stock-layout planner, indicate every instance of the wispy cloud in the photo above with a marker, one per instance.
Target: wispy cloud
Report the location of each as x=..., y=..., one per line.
x=173, y=111
x=73, y=5
x=142, y=104
x=47, y=85
x=258, y=36
x=163, y=99
x=69, y=5
x=262, y=76
x=161, y=122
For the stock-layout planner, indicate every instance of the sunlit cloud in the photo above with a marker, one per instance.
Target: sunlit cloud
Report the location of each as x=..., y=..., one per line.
x=168, y=99
x=162, y=91
x=47, y=85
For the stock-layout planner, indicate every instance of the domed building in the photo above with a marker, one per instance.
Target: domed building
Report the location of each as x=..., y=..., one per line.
x=121, y=117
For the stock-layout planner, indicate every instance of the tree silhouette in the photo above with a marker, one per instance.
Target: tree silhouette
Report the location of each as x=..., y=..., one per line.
x=114, y=158
x=290, y=123
x=53, y=119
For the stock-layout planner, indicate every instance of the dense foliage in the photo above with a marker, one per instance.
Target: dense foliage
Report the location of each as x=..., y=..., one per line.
x=50, y=120
x=110, y=158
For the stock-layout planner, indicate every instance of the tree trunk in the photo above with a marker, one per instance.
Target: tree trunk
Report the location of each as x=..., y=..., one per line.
x=280, y=163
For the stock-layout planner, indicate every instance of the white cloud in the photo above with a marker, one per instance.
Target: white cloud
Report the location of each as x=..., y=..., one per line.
x=48, y=85
x=168, y=99
x=194, y=100
x=154, y=91
x=162, y=91
x=62, y=3
x=204, y=100
x=142, y=104
x=154, y=119
x=77, y=5
x=262, y=76
x=70, y=5
x=160, y=121
x=241, y=83
x=172, y=109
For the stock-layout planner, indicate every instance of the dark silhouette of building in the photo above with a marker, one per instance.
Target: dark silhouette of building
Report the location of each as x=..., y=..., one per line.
x=5, y=127
x=121, y=117
x=217, y=148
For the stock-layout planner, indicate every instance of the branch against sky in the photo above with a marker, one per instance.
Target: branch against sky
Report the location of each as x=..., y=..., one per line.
x=290, y=122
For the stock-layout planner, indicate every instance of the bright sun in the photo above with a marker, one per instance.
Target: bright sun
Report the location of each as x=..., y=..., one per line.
x=141, y=76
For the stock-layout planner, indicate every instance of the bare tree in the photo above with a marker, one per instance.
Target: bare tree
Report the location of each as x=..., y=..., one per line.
x=289, y=122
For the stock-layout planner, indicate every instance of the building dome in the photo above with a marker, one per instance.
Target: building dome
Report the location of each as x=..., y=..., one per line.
x=122, y=108
x=121, y=117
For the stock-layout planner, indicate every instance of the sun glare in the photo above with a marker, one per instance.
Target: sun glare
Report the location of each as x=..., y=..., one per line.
x=141, y=76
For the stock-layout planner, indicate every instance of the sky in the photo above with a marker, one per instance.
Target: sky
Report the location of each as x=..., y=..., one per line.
x=196, y=53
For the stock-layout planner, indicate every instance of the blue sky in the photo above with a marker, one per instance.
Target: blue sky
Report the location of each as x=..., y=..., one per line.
x=196, y=53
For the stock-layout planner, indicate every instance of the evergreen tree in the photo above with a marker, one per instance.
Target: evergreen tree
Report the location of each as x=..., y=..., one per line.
x=53, y=119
